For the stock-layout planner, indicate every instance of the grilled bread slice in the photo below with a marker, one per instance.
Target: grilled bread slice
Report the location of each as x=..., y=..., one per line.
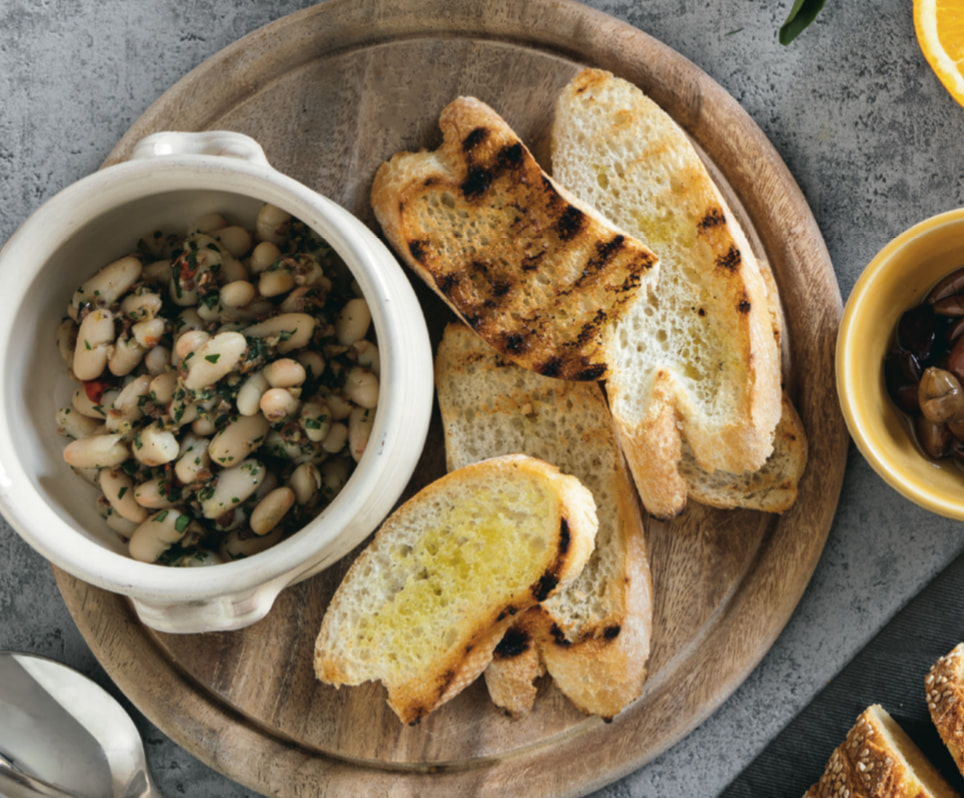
x=773, y=488
x=538, y=275
x=878, y=760
x=555, y=287
x=700, y=364
x=945, y=701
x=594, y=636
x=424, y=605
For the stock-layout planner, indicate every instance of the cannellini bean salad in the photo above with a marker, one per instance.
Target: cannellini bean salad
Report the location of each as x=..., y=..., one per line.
x=228, y=384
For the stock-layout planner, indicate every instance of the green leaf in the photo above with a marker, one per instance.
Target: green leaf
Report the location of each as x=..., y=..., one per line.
x=801, y=15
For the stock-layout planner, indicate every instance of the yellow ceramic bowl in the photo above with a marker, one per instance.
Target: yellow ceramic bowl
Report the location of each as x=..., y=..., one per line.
x=896, y=279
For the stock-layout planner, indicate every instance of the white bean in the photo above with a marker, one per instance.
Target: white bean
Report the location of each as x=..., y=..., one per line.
x=97, y=451
x=214, y=359
x=148, y=333
x=235, y=546
x=334, y=474
x=352, y=322
x=339, y=406
x=361, y=387
x=203, y=425
x=264, y=256
x=238, y=294
x=313, y=362
x=107, y=285
x=271, y=509
x=155, y=446
x=366, y=354
x=155, y=494
x=235, y=239
x=359, y=430
x=272, y=224
x=127, y=407
x=126, y=355
x=336, y=438
x=188, y=319
x=291, y=330
x=140, y=307
x=118, y=488
x=250, y=393
x=193, y=460
x=187, y=342
x=162, y=387
x=284, y=373
x=316, y=420
x=238, y=439
x=275, y=282
x=157, y=360
x=86, y=406
x=157, y=534
x=199, y=559
x=77, y=425
x=278, y=404
x=157, y=273
x=209, y=223
x=305, y=481
x=67, y=341
x=121, y=525
x=94, y=338
x=232, y=487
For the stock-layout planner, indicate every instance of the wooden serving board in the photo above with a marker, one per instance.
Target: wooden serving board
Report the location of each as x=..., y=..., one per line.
x=330, y=92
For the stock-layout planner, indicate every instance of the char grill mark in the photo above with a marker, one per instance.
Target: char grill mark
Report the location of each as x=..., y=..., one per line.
x=570, y=223
x=514, y=643
x=714, y=218
x=730, y=260
x=559, y=637
x=475, y=138
x=418, y=249
x=514, y=343
x=612, y=632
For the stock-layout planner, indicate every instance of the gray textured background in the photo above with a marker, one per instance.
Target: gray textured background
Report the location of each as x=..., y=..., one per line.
x=871, y=136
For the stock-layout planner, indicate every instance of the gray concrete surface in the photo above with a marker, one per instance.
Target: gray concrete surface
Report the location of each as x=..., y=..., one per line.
x=869, y=133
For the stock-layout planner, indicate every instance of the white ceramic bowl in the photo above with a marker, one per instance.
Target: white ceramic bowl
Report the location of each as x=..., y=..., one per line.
x=171, y=180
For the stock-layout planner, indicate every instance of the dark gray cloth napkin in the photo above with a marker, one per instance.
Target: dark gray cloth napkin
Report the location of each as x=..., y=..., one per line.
x=889, y=671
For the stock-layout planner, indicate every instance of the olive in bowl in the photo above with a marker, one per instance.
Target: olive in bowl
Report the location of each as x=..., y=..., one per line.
x=893, y=330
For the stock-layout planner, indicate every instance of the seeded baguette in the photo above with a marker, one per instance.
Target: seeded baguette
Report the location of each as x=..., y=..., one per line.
x=594, y=636
x=945, y=701
x=878, y=760
x=424, y=605
x=709, y=373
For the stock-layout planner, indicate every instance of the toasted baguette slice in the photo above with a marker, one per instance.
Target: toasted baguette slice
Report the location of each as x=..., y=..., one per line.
x=773, y=488
x=878, y=760
x=699, y=364
x=594, y=636
x=424, y=605
x=538, y=275
x=945, y=701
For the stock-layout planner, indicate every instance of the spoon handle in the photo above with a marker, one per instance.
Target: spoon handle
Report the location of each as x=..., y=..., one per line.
x=17, y=784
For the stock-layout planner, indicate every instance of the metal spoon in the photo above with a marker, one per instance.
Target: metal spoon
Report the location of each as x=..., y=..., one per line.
x=63, y=736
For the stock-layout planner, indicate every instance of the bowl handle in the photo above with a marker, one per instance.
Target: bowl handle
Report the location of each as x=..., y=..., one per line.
x=225, y=143
x=222, y=614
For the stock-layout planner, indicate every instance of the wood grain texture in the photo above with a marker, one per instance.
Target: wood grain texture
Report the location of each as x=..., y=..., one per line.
x=330, y=92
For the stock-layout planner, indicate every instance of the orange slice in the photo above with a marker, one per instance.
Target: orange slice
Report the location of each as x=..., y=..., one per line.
x=940, y=32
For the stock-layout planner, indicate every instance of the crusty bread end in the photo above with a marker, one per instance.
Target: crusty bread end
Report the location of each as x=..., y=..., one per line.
x=879, y=760
x=945, y=701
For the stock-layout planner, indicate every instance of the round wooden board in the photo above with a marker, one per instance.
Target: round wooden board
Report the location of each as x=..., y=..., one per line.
x=330, y=92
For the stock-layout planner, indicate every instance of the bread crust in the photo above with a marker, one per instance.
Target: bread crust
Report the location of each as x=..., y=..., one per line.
x=878, y=760
x=351, y=648
x=944, y=684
